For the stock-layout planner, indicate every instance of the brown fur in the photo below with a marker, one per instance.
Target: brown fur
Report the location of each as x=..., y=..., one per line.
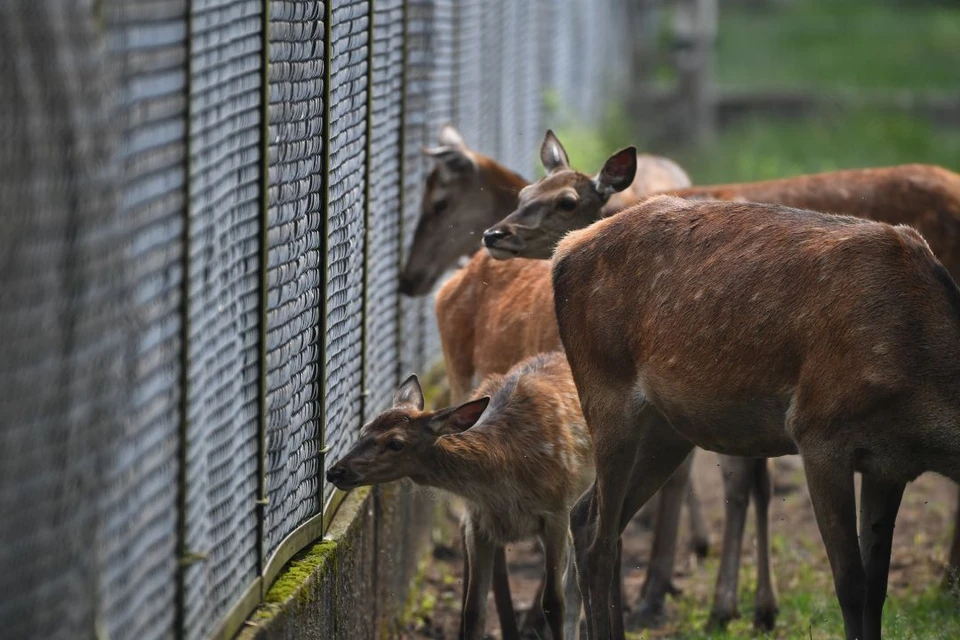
x=520, y=467
x=760, y=330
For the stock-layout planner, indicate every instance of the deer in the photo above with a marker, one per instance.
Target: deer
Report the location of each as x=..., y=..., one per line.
x=759, y=330
x=924, y=196
x=491, y=314
x=518, y=454
x=467, y=192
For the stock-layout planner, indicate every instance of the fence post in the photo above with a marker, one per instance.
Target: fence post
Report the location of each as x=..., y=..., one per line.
x=695, y=28
x=262, y=500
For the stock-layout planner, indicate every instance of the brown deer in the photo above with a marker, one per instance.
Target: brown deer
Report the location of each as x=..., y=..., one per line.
x=492, y=314
x=925, y=197
x=466, y=192
x=759, y=330
x=519, y=455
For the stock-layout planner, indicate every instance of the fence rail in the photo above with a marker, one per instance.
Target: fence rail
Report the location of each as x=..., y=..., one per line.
x=204, y=205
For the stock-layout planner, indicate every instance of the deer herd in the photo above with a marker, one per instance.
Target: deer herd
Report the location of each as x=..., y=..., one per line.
x=616, y=322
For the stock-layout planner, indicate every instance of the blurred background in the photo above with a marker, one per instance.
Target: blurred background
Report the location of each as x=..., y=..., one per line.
x=739, y=90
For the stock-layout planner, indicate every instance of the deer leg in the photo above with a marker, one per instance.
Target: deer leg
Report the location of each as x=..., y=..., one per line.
x=737, y=477
x=951, y=580
x=659, y=580
x=765, y=612
x=555, y=538
x=572, y=600
x=501, y=596
x=831, y=490
x=632, y=460
x=616, y=594
x=466, y=565
x=480, y=556
x=699, y=532
x=879, y=503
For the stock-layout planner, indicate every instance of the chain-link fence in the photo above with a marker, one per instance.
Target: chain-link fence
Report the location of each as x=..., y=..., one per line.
x=203, y=208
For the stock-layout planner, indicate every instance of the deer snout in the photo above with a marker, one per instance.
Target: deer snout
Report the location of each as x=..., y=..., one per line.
x=493, y=235
x=339, y=477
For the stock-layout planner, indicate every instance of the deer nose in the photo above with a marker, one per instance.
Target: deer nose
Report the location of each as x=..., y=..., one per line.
x=335, y=475
x=491, y=236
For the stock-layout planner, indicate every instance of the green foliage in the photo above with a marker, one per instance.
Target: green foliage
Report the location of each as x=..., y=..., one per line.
x=840, y=44
x=764, y=148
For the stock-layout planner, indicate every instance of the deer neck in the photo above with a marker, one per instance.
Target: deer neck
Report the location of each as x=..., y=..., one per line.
x=463, y=462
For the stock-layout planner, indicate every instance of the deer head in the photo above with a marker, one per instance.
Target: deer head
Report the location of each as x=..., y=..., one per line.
x=398, y=442
x=561, y=201
x=463, y=196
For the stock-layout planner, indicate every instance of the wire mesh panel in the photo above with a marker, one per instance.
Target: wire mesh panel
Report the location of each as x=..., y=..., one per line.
x=416, y=80
x=343, y=345
x=65, y=352
x=510, y=78
x=224, y=289
x=529, y=90
x=295, y=264
x=147, y=41
x=469, y=60
x=383, y=234
x=442, y=88
x=491, y=78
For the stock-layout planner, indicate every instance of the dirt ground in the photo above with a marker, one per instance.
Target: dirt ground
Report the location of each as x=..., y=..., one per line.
x=919, y=554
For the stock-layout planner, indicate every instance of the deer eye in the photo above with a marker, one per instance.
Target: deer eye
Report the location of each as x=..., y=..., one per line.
x=567, y=203
x=439, y=207
x=394, y=445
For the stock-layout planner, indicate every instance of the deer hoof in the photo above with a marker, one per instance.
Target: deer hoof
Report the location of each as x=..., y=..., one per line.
x=765, y=618
x=700, y=548
x=719, y=620
x=647, y=615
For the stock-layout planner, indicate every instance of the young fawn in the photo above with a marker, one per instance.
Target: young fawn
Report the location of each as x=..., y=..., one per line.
x=760, y=330
x=519, y=455
x=466, y=192
x=925, y=197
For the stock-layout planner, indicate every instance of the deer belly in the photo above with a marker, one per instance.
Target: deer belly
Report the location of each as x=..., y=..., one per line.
x=743, y=428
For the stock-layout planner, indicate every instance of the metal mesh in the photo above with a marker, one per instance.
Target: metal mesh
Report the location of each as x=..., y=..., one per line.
x=418, y=16
x=442, y=89
x=511, y=71
x=92, y=221
x=492, y=78
x=65, y=355
x=343, y=351
x=382, y=343
x=147, y=41
x=469, y=69
x=295, y=264
x=529, y=88
x=224, y=290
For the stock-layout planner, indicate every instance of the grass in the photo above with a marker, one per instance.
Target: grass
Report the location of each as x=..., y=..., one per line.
x=767, y=147
x=840, y=44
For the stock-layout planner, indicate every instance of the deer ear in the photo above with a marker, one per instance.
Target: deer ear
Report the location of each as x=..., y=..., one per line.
x=552, y=154
x=617, y=173
x=409, y=394
x=451, y=159
x=464, y=416
x=450, y=137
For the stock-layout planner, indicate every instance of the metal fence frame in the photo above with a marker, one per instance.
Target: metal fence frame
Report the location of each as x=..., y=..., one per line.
x=267, y=172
